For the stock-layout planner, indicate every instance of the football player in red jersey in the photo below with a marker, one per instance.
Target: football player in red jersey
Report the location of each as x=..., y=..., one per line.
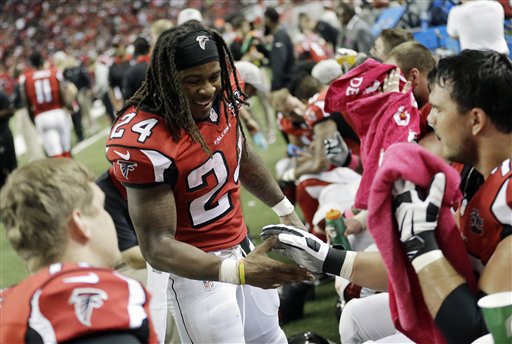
x=46, y=94
x=471, y=114
x=312, y=170
x=53, y=216
x=178, y=147
x=470, y=96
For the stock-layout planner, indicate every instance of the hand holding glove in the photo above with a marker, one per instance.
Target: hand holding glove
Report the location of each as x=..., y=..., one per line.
x=305, y=249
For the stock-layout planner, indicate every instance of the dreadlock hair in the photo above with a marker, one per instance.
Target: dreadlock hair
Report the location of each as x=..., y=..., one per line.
x=161, y=91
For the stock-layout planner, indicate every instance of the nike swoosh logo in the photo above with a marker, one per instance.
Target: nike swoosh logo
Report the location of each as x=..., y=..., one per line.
x=124, y=156
x=90, y=278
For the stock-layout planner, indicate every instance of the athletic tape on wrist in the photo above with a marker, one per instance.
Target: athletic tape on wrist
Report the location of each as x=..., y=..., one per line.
x=283, y=208
x=348, y=265
x=422, y=261
x=229, y=271
x=362, y=218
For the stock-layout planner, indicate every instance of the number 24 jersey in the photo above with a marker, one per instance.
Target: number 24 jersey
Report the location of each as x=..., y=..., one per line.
x=206, y=188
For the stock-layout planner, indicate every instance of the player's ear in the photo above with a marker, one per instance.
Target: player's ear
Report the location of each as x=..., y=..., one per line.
x=77, y=227
x=414, y=76
x=479, y=120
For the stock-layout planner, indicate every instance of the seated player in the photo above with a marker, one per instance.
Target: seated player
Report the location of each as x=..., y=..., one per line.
x=53, y=215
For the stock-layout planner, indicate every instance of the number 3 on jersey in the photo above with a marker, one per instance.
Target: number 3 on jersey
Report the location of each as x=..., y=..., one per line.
x=143, y=128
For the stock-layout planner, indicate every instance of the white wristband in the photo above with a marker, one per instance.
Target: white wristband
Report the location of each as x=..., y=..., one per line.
x=348, y=264
x=425, y=259
x=228, y=272
x=362, y=217
x=283, y=208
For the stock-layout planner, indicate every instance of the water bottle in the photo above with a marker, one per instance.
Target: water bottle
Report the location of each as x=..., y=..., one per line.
x=335, y=228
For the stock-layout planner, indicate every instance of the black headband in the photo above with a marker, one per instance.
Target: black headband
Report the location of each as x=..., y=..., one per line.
x=195, y=49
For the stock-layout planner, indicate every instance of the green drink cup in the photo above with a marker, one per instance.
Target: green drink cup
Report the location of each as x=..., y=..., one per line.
x=497, y=311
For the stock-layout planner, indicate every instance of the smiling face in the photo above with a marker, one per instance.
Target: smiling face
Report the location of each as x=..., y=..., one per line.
x=201, y=85
x=453, y=128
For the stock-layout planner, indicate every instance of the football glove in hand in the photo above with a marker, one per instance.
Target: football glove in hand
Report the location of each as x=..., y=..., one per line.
x=305, y=249
x=337, y=151
x=416, y=216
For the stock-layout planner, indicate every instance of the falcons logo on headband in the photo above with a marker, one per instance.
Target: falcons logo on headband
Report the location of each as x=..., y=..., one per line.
x=85, y=300
x=202, y=41
x=126, y=167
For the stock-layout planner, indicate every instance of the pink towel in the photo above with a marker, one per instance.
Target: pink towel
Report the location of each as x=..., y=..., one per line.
x=380, y=121
x=360, y=82
x=411, y=162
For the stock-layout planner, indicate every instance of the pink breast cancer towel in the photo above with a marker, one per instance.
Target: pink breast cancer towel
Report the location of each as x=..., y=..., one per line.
x=412, y=162
x=380, y=121
x=361, y=82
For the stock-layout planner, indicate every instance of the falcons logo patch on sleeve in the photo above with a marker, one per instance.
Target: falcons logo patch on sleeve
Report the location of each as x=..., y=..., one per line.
x=85, y=300
x=126, y=167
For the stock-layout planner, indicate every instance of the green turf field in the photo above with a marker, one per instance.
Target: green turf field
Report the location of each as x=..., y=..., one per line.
x=319, y=314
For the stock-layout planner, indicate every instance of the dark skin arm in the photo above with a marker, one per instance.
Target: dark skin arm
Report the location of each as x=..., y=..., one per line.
x=256, y=178
x=153, y=212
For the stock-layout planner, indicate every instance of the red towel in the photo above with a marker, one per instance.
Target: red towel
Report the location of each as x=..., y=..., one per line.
x=380, y=121
x=412, y=162
x=360, y=82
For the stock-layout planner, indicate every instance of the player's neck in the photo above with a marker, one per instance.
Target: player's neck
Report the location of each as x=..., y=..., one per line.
x=493, y=152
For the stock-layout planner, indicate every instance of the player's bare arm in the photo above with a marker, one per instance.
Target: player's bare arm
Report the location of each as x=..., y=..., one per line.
x=362, y=268
x=439, y=278
x=257, y=180
x=153, y=213
x=497, y=275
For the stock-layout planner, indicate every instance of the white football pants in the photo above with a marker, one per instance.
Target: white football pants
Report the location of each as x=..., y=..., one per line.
x=368, y=320
x=53, y=127
x=215, y=312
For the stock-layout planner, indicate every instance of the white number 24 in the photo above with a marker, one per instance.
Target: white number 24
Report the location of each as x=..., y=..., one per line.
x=143, y=128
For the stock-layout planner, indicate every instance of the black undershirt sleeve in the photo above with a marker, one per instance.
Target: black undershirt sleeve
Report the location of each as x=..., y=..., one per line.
x=459, y=318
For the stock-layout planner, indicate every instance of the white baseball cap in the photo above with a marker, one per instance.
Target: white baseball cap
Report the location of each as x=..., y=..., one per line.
x=327, y=71
x=189, y=14
x=252, y=75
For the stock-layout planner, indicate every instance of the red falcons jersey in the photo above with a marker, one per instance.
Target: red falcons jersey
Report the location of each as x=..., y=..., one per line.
x=65, y=302
x=206, y=188
x=424, y=126
x=315, y=113
x=313, y=48
x=487, y=218
x=42, y=88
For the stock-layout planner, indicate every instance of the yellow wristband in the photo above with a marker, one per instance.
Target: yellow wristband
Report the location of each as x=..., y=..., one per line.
x=241, y=271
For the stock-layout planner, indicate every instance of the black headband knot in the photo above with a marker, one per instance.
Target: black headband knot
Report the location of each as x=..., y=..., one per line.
x=196, y=48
